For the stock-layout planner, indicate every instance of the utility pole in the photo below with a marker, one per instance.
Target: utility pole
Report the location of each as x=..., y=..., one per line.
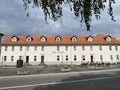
x=0, y=45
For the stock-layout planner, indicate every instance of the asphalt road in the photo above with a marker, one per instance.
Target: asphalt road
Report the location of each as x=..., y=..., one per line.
x=101, y=81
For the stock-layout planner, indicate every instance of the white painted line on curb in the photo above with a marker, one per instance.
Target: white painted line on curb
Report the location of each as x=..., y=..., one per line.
x=53, y=83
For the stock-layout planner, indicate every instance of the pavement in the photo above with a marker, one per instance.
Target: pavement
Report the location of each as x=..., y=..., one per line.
x=10, y=72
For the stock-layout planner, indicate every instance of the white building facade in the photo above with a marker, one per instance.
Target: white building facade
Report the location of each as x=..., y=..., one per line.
x=57, y=50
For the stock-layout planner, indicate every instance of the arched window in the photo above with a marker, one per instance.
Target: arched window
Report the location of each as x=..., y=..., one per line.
x=43, y=39
x=90, y=38
x=108, y=38
x=14, y=39
x=74, y=39
x=28, y=39
x=58, y=39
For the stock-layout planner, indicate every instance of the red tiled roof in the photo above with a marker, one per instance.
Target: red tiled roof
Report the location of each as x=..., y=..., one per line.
x=98, y=39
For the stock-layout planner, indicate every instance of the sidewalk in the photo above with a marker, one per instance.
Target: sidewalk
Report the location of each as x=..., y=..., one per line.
x=40, y=70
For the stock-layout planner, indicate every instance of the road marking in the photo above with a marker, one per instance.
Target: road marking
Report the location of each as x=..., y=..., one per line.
x=53, y=83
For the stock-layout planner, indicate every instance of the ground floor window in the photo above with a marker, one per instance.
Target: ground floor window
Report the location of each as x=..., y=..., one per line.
x=35, y=58
x=117, y=57
x=83, y=57
x=5, y=58
x=58, y=57
x=66, y=57
x=75, y=57
x=111, y=57
x=12, y=58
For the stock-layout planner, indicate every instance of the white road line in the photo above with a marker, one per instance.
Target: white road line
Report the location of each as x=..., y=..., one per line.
x=53, y=83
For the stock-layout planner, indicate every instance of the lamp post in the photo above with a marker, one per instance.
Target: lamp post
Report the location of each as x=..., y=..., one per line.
x=0, y=45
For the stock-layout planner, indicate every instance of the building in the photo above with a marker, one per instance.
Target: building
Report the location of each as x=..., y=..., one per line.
x=54, y=50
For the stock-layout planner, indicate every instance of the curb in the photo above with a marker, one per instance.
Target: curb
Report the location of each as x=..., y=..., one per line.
x=59, y=74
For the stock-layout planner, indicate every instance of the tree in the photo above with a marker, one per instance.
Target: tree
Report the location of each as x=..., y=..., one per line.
x=84, y=9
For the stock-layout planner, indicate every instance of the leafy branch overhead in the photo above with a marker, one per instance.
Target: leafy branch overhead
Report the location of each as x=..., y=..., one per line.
x=81, y=8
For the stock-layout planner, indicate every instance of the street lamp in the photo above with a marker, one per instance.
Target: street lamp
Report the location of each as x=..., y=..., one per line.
x=0, y=44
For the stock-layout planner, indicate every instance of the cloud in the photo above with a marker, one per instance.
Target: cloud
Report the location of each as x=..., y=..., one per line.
x=13, y=21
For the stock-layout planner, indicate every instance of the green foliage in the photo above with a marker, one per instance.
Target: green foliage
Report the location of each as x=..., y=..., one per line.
x=81, y=8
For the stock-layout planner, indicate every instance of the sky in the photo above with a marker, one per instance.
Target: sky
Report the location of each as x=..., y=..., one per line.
x=14, y=21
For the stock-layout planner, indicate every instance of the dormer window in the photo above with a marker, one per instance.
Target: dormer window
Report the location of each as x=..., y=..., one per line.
x=90, y=38
x=58, y=39
x=43, y=39
x=28, y=39
x=14, y=39
x=108, y=38
x=74, y=39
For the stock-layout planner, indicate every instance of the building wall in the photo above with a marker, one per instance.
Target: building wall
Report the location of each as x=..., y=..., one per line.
x=50, y=54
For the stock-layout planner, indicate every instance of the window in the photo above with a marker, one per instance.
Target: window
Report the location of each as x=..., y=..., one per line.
x=35, y=58
x=35, y=48
x=83, y=48
x=83, y=57
x=90, y=38
x=116, y=48
x=58, y=39
x=27, y=48
x=117, y=57
x=74, y=39
x=66, y=48
x=58, y=57
x=29, y=39
x=20, y=48
x=5, y=48
x=111, y=57
x=14, y=39
x=91, y=48
x=74, y=48
x=58, y=48
x=75, y=57
x=43, y=39
x=110, y=48
x=12, y=58
x=100, y=48
x=5, y=58
x=12, y=48
x=108, y=38
x=66, y=57
x=20, y=57
x=42, y=48
x=101, y=58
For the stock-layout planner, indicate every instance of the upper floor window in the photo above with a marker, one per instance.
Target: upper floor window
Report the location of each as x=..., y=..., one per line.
x=117, y=57
x=14, y=39
x=90, y=38
x=20, y=48
x=91, y=48
x=111, y=57
x=66, y=57
x=35, y=48
x=83, y=48
x=100, y=47
x=110, y=48
x=116, y=48
x=6, y=48
x=43, y=39
x=66, y=48
x=108, y=38
x=58, y=39
x=5, y=58
x=12, y=58
x=42, y=48
x=83, y=57
x=29, y=39
x=58, y=48
x=101, y=58
x=12, y=48
x=27, y=48
x=74, y=39
x=74, y=48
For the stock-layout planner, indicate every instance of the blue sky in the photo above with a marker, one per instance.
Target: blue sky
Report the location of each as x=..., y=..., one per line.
x=13, y=21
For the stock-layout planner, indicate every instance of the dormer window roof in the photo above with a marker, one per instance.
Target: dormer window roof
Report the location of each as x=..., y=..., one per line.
x=43, y=39
x=29, y=38
x=14, y=39
x=108, y=38
x=58, y=39
x=90, y=38
x=74, y=39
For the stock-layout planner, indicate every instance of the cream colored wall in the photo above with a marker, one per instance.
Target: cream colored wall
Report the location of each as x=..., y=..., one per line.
x=50, y=54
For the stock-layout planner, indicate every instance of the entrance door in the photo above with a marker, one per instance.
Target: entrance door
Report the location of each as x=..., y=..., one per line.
x=27, y=59
x=42, y=59
x=91, y=57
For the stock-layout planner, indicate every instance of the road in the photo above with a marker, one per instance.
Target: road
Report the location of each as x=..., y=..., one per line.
x=101, y=81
